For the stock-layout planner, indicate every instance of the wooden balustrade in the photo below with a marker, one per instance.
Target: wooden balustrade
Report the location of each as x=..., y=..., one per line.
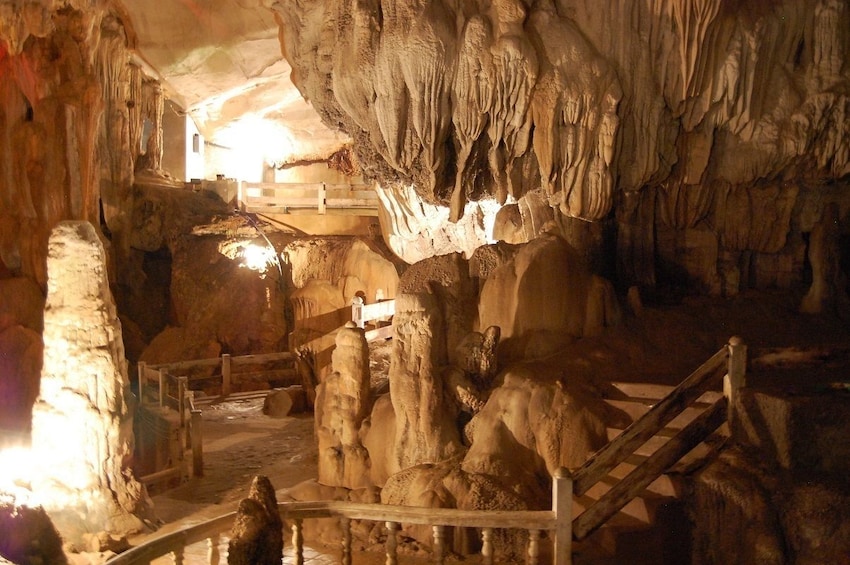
x=324, y=198
x=392, y=516
x=559, y=521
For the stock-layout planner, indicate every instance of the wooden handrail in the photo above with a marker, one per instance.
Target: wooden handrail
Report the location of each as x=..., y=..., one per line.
x=392, y=515
x=733, y=358
x=601, y=462
x=317, y=195
x=667, y=455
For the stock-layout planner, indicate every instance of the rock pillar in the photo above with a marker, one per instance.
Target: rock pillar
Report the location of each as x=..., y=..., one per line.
x=342, y=402
x=82, y=431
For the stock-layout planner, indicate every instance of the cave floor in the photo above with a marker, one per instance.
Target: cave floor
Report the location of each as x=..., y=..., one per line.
x=661, y=345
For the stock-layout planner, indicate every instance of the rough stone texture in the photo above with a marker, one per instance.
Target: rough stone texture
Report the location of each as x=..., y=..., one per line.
x=733, y=513
x=20, y=366
x=82, y=434
x=545, y=293
x=257, y=534
x=828, y=290
x=277, y=404
x=445, y=485
x=27, y=536
x=21, y=303
x=468, y=99
x=342, y=402
x=799, y=433
x=424, y=423
x=447, y=278
x=532, y=424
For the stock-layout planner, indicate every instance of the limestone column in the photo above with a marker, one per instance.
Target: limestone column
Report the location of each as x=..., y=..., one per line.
x=82, y=431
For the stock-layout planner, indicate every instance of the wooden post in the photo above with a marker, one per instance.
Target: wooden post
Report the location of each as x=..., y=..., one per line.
x=357, y=312
x=213, y=554
x=392, y=543
x=533, y=557
x=225, y=374
x=297, y=542
x=562, y=506
x=322, y=200
x=182, y=387
x=162, y=386
x=345, y=524
x=240, y=196
x=439, y=543
x=487, y=546
x=141, y=367
x=197, y=444
x=736, y=376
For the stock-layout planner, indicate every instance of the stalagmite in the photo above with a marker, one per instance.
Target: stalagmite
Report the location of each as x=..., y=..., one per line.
x=82, y=434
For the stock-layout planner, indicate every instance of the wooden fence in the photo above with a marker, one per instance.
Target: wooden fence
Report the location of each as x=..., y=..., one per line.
x=319, y=198
x=166, y=386
x=533, y=521
x=564, y=527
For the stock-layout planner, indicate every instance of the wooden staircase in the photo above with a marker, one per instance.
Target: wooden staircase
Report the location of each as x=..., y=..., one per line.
x=651, y=528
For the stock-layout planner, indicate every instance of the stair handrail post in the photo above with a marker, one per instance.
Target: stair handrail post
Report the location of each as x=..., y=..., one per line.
x=562, y=507
x=357, y=312
x=735, y=378
x=141, y=369
x=225, y=375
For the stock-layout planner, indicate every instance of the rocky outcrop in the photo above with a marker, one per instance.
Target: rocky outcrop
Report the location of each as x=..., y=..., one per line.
x=82, y=427
x=701, y=123
x=544, y=296
x=342, y=402
x=257, y=534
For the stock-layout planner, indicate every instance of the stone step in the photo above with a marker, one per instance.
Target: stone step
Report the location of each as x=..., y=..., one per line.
x=639, y=532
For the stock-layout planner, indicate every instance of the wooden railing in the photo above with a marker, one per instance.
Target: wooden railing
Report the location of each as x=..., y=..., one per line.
x=559, y=521
x=733, y=358
x=164, y=384
x=533, y=521
x=324, y=198
x=377, y=312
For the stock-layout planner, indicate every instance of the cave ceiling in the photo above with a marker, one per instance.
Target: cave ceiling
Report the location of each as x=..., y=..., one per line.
x=584, y=100
x=221, y=60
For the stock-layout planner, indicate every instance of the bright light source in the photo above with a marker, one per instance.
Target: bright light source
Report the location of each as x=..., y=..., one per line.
x=250, y=255
x=257, y=258
x=15, y=467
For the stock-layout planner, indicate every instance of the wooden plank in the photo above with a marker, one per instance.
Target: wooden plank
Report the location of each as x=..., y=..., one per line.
x=180, y=366
x=601, y=462
x=383, y=309
x=385, y=332
x=627, y=489
x=261, y=358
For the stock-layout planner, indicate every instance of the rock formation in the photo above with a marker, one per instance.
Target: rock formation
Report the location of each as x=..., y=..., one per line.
x=342, y=403
x=701, y=124
x=82, y=428
x=257, y=534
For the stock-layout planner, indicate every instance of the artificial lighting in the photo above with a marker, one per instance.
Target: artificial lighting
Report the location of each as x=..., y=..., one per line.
x=251, y=256
x=257, y=258
x=15, y=466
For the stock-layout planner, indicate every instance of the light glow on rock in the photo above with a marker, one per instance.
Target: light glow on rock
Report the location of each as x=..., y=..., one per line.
x=251, y=256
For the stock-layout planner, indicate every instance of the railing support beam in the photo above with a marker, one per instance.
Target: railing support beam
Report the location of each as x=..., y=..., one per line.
x=562, y=506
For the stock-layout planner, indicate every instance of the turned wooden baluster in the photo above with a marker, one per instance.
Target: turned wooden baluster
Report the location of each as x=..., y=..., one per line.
x=392, y=543
x=487, y=546
x=439, y=543
x=297, y=542
x=212, y=549
x=533, y=547
x=177, y=556
x=345, y=523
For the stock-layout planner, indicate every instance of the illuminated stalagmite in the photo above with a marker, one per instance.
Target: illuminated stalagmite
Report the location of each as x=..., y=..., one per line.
x=82, y=434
